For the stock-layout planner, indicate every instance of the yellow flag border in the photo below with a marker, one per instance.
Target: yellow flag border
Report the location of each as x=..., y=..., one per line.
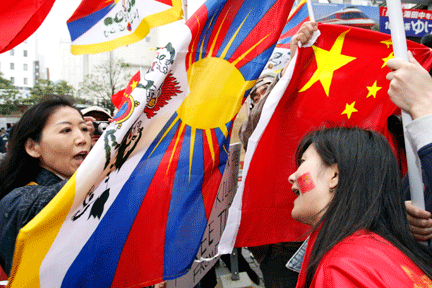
x=42, y=229
x=158, y=19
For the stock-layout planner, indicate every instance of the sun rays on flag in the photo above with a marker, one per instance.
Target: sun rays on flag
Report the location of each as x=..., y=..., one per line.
x=217, y=89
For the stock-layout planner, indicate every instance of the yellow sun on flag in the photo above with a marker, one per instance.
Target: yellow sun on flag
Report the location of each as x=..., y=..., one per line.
x=211, y=104
x=217, y=89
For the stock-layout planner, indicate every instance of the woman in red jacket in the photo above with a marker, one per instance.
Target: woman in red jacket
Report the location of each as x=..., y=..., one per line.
x=349, y=190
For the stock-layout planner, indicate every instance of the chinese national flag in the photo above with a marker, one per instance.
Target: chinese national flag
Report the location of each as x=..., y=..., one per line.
x=20, y=19
x=340, y=80
x=121, y=96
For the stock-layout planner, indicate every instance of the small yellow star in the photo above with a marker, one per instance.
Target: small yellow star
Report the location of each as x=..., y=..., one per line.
x=373, y=90
x=419, y=281
x=134, y=84
x=327, y=63
x=387, y=42
x=386, y=59
x=349, y=109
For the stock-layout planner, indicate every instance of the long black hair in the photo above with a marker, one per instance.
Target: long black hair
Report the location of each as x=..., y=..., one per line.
x=18, y=168
x=368, y=194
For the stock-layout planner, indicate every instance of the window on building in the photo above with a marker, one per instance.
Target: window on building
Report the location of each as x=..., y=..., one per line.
x=25, y=81
x=12, y=66
x=12, y=80
x=25, y=67
x=12, y=52
x=25, y=53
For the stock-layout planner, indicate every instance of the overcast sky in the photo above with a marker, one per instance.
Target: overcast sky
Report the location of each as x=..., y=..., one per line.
x=54, y=29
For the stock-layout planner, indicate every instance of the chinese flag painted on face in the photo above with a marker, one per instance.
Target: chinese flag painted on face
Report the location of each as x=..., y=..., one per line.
x=340, y=80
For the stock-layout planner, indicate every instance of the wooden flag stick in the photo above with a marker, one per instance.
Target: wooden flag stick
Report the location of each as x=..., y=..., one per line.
x=401, y=51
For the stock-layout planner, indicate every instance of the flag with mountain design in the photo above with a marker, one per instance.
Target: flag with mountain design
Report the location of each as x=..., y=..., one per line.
x=340, y=80
x=99, y=26
x=135, y=212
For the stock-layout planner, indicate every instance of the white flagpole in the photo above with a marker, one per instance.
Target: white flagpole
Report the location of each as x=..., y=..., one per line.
x=310, y=10
x=185, y=7
x=401, y=51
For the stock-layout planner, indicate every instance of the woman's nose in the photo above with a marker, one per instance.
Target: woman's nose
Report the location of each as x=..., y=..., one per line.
x=291, y=178
x=81, y=138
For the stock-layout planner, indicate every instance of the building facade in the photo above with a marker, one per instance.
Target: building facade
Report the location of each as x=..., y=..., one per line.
x=23, y=66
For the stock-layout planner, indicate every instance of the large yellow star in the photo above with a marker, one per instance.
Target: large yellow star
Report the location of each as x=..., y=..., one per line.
x=386, y=59
x=328, y=62
x=134, y=84
x=387, y=42
x=349, y=109
x=373, y=90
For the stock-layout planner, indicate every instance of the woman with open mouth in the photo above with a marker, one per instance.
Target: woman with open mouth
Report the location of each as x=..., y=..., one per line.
x=349, y=190
x=47, y=146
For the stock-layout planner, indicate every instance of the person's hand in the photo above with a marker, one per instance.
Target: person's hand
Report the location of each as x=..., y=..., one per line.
x=303, y=35
x=420, y=222
x=410, y=86
x=89, y=123
x=161, y=285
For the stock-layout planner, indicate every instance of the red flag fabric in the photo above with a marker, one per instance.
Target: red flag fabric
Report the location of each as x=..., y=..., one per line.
x=20, y=19
x=118, y=98
x=123, y=95
x=3, y=278
x=339, y=81
x=363, y=260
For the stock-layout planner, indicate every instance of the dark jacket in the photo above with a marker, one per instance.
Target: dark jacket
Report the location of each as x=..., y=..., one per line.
x=19, y=207
x=425, y=155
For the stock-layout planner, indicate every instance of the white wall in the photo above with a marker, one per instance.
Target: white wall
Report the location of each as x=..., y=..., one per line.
x=23, y=66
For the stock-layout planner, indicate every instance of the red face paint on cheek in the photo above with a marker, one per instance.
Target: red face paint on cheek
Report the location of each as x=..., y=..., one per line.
x=305, y=183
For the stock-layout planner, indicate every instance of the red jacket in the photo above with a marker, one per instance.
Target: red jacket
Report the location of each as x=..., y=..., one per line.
x=363, y=259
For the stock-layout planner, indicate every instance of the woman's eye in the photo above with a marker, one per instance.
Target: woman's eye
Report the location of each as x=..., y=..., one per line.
x=85, y=129
x=65, y=130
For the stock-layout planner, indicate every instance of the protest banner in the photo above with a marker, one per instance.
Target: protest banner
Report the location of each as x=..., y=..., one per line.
x=417, y=23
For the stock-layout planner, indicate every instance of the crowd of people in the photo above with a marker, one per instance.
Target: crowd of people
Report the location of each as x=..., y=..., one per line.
x=364, y=231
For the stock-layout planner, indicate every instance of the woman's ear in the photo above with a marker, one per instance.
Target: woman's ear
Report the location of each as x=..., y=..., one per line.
x=32, y=148
x=334, y=180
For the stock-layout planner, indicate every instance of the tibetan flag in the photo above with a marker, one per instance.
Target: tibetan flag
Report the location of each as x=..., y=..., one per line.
x=136, y=210
x=99, y=26
x=293, y=24
x=281, y=53
x=340, y=80
x=20, y=19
